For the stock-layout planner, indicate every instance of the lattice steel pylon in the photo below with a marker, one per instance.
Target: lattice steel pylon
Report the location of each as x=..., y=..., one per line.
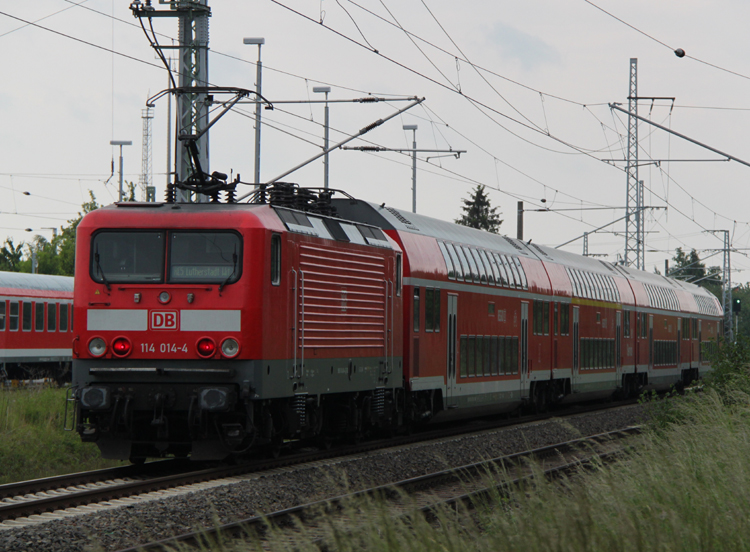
x=726, y=288
x=634, y=199
x=192, y=106
x=145, y=183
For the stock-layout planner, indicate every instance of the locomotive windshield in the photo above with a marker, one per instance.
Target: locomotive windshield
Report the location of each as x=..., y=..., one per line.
x=205, y=257
x=127, y=257
x=139, y=257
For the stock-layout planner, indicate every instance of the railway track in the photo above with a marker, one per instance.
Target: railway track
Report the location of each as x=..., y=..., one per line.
x=21, y=502
x=464, y=485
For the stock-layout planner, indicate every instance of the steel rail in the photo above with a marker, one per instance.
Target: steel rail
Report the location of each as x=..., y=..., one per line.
x=15, y=505
x=307, y=514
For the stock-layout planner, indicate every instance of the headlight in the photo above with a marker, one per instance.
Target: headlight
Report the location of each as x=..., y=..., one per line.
x=230, y=347
x=97, y=347
x=95, y=398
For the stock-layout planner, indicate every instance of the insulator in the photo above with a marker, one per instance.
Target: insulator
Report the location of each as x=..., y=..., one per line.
x=304, y=200
x=170, y=193
x=230, y=196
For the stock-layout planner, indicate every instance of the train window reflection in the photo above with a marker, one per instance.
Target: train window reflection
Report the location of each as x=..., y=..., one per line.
x=39, y=317
x=127, y=257
x=26, y=319
x=205, y=257
x=63, y=317
x=52, y=317
x=13, y=318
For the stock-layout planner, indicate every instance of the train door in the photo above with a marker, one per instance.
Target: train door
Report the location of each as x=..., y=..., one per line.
x=650, y=341
x=618, y=348
x=524, y=341
x=450, y=379
x=386, y=367
x=679, y=342
x=576, y=346
x=700, y=343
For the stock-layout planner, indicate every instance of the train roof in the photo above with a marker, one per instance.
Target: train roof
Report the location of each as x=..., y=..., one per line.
x=37, y=282
x=390, y=218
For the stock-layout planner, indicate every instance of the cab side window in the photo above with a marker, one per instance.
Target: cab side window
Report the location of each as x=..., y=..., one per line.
x=276, y=259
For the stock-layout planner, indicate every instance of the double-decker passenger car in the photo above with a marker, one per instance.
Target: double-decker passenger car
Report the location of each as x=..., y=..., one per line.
x=492, y=322
x=35, y=325
x=210, y=329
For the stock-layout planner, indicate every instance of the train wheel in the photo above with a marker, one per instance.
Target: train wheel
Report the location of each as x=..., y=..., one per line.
x=274, y=450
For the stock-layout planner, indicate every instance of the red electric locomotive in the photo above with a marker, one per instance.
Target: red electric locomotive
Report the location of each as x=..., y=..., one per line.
x=207, y=329
x=35, y=325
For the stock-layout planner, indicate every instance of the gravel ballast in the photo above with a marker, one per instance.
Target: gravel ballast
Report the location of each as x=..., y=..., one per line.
x=149, y=520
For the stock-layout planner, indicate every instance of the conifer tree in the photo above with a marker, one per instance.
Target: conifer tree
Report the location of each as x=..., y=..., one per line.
x=478, y=213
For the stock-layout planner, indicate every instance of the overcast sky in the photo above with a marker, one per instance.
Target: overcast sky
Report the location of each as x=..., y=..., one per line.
x=522, y=86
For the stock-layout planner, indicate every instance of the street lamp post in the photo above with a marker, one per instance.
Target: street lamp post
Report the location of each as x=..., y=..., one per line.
x=325, y=90
x=120, y=143
x=413, y=128
x=258, y=74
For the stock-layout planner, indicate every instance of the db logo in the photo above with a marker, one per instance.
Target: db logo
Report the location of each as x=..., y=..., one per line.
x=163, y=320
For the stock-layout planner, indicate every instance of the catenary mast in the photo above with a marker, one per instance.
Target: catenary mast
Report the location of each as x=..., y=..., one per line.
x=192, y=105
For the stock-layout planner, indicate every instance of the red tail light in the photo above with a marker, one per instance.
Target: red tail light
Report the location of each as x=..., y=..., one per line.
x=206, y=347
x=121, y=346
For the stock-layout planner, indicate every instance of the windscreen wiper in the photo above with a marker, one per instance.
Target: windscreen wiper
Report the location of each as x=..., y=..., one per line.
x=234, y=269
x=101, y=270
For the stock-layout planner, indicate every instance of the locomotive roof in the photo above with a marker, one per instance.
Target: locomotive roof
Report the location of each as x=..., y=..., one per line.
x=390, y=218
x=40, y=282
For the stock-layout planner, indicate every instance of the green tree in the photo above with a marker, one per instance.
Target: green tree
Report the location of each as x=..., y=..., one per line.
x=67, y=251
x=478, y=213
x=56, y=256
x=47, y=258
x=689, y=267
x=742, y=292
x=11, y=256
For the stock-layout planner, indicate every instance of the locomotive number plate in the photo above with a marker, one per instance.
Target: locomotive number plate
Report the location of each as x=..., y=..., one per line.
x=164, y=348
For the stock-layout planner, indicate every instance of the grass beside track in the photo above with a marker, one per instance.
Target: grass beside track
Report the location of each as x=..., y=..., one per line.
x=32, y=441
x=685, y=487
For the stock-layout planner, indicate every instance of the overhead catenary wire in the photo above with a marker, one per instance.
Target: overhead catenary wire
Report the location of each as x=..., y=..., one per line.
x=494, y=157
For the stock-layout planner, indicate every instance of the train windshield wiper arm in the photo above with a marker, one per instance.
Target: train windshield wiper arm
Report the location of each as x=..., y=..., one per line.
x=101, y=270
x=234, y=269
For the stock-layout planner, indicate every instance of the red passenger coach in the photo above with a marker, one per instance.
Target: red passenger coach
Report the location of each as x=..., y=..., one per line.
x=492, y=322
x=205, y=329
x=35, y=325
